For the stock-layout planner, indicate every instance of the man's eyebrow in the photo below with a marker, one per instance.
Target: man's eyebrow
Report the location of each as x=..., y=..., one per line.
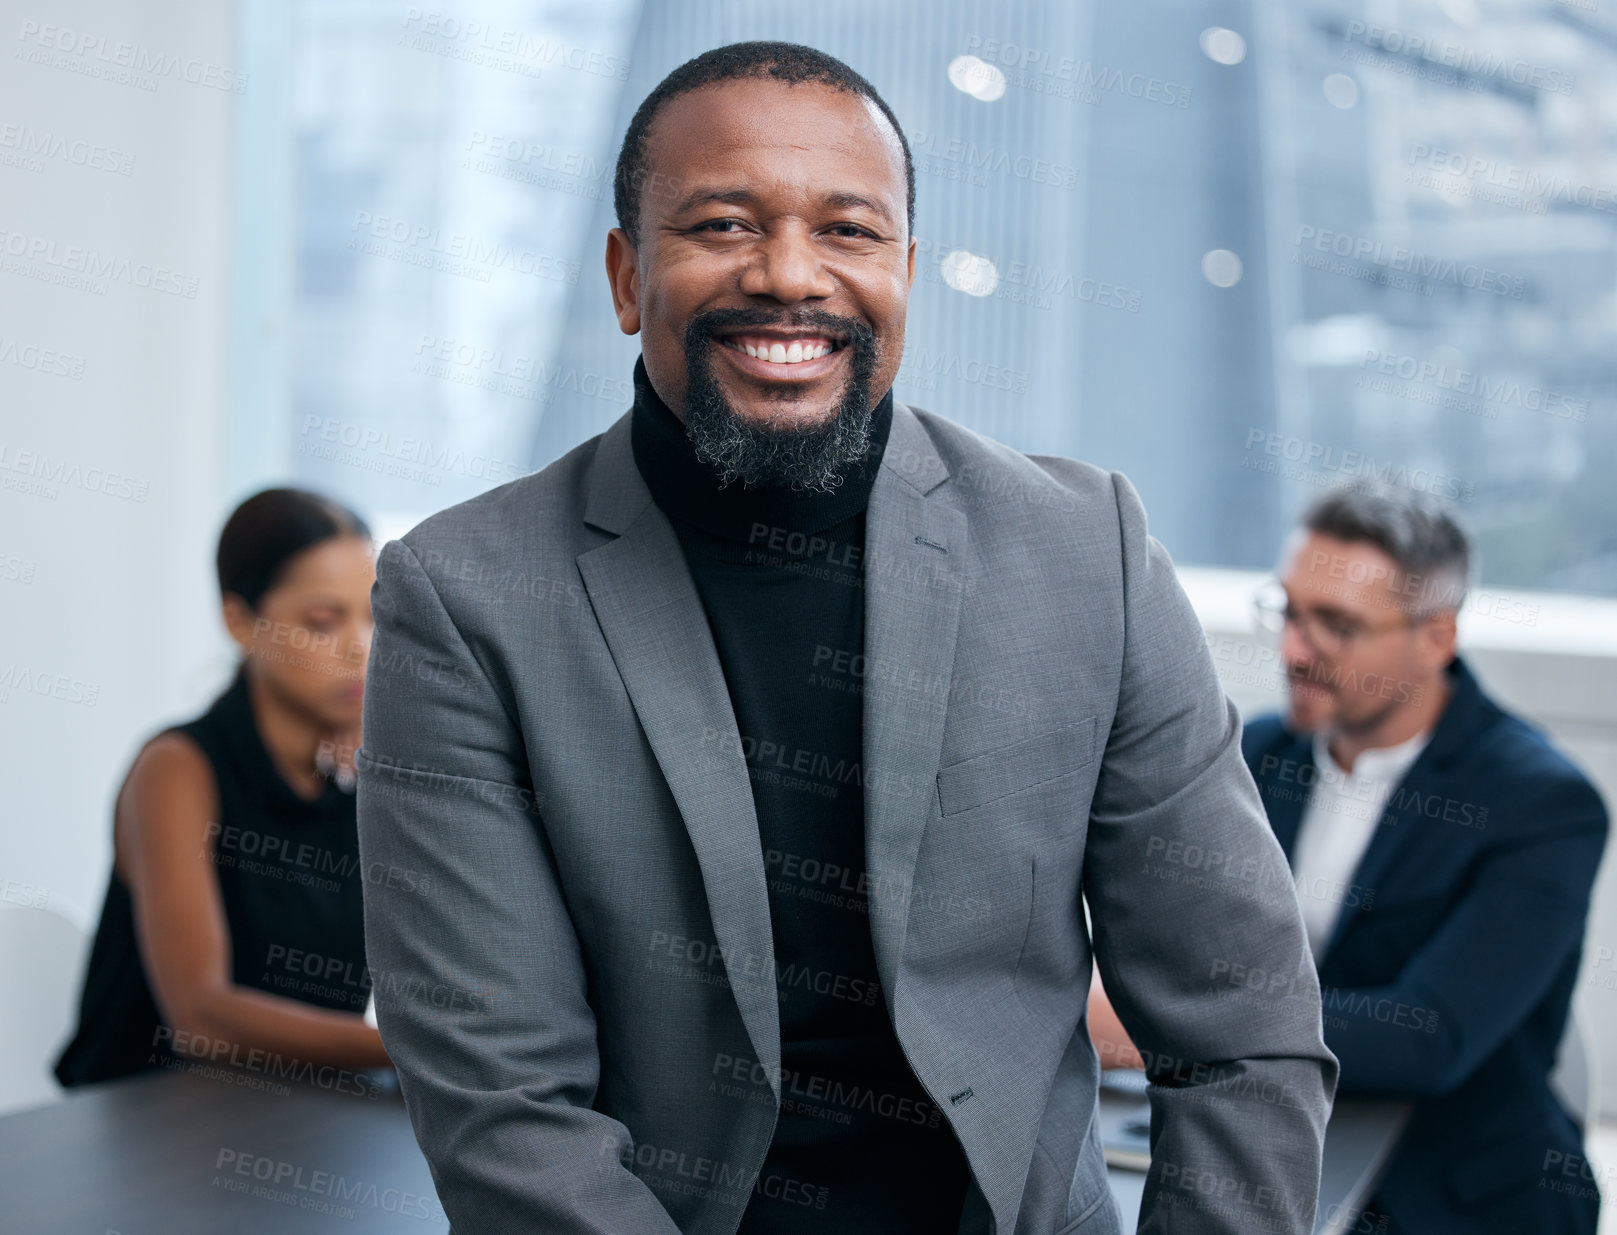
x=733, y=197
x=1328, y=610
x=840, y=199
x=853, y=201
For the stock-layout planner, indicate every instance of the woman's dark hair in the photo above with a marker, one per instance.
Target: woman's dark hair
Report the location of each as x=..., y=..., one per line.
x=269, y=529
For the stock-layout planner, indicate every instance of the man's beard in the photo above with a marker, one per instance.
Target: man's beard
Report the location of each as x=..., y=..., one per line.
x=815, y=457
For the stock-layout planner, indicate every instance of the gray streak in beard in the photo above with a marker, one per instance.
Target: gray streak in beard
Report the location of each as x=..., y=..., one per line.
x=758, y=455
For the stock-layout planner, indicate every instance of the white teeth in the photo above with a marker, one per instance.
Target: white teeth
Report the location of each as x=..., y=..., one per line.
x=777, y=353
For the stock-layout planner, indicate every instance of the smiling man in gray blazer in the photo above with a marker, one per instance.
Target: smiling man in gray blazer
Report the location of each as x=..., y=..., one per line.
x=752, y=764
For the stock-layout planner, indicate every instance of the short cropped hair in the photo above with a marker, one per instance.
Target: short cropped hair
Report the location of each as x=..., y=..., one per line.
x=1416, y=530
x=791, y=63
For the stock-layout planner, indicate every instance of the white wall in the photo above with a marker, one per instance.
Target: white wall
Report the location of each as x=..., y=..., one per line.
x=105, y=597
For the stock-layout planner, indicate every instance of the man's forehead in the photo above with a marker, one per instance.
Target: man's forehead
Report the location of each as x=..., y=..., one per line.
x=736, y=102
x=1345, y=568
x=714, y=121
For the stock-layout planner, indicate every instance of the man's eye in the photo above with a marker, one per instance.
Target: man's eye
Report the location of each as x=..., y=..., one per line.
x=851, y=230
x=715, y=224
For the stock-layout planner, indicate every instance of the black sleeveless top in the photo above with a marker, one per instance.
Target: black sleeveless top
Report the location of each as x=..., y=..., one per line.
x=290, y=880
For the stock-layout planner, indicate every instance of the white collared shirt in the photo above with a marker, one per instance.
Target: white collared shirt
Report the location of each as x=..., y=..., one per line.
x=1337, y=826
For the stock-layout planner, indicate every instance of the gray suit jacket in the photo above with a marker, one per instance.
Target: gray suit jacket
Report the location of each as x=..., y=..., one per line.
x=571, y=947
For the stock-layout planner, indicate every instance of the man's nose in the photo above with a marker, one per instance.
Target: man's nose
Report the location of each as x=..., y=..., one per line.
x=787, y=266
x=1295, y=651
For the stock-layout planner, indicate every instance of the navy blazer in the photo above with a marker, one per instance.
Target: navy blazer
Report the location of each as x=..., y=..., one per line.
x=1448, y=976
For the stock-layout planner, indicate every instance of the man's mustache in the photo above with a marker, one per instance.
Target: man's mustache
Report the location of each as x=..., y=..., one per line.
x=707, y=325
x=1311, y=674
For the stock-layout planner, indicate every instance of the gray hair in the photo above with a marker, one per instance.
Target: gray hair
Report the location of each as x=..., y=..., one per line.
x=1415, y=529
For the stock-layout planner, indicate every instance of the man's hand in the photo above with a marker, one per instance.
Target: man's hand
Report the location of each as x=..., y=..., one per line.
x=1111, y=1040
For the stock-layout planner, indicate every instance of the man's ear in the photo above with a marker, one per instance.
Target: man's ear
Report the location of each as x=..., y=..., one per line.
x=912, y=261
x=1440, y=637
x=623, y=276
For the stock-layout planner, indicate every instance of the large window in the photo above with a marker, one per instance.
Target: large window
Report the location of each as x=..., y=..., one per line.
x=1237, y=251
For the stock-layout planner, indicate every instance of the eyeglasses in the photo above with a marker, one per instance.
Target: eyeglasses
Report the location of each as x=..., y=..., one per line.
x=1327, y=633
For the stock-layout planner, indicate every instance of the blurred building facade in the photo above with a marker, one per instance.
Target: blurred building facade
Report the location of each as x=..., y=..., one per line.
x=1237, y=251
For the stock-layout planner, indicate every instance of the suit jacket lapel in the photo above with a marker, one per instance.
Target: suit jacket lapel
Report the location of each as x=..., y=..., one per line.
x=1396, y=830
x=654, y=625
x=657, y=632
x=915, y=570
x=1285, y=802
x=1401, y=820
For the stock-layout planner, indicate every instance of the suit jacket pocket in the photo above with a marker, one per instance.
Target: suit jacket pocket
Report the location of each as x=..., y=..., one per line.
x=1021, y=765
x=1089, y=1188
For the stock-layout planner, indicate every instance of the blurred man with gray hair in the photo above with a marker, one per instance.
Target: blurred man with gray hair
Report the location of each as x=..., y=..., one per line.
x=1443, y=853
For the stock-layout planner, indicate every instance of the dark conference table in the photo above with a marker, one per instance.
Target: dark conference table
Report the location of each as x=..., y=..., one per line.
x=195, y=1153
x=218, y=1150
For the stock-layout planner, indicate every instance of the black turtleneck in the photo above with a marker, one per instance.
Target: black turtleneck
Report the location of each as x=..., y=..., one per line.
x=859, y=1147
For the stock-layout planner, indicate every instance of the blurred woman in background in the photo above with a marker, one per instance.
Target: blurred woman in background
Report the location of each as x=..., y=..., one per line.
x=232, y=922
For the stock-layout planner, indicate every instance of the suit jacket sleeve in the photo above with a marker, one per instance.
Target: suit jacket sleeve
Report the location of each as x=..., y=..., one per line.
x=479, y=981
x=1498, y=951
x=1198, y=936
